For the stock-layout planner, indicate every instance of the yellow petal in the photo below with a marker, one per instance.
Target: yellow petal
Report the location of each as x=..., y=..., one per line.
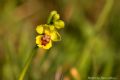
x=59, y=24
x=38, y=39
x=47, y=31
x=52, y=27
x=55, y=36
x=39, y=29
x=48, y=46
x=40, y=46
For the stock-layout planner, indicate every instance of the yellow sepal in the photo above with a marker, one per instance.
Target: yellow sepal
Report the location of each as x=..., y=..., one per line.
x=39, y=29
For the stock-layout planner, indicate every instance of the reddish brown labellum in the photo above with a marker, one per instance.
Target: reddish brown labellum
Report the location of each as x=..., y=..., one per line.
x=45, y=39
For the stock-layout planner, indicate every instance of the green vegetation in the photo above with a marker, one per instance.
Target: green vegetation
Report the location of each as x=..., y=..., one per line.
x=89, y=48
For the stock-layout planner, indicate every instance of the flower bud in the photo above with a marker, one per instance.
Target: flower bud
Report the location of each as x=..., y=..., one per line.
x=56, y=17
x=53, y=13
x=59, y=24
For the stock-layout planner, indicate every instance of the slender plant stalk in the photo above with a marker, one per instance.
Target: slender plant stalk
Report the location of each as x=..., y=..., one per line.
x=99, y=24
x=49, y=19
x=104, y=14
x=28, y=62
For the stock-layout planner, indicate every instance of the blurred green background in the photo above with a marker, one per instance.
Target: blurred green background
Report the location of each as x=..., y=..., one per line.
x=90, y=45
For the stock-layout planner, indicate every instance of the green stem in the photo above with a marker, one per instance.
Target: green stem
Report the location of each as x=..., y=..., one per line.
x=29, y=60
x=49, y=19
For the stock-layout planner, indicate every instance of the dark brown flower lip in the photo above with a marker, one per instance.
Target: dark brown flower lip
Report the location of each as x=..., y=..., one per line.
x=45, y=39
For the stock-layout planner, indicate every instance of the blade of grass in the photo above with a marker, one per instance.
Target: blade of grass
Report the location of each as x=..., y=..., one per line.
x=31, y=56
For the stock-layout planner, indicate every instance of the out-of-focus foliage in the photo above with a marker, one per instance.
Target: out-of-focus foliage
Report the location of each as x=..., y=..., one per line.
x=90, y=45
